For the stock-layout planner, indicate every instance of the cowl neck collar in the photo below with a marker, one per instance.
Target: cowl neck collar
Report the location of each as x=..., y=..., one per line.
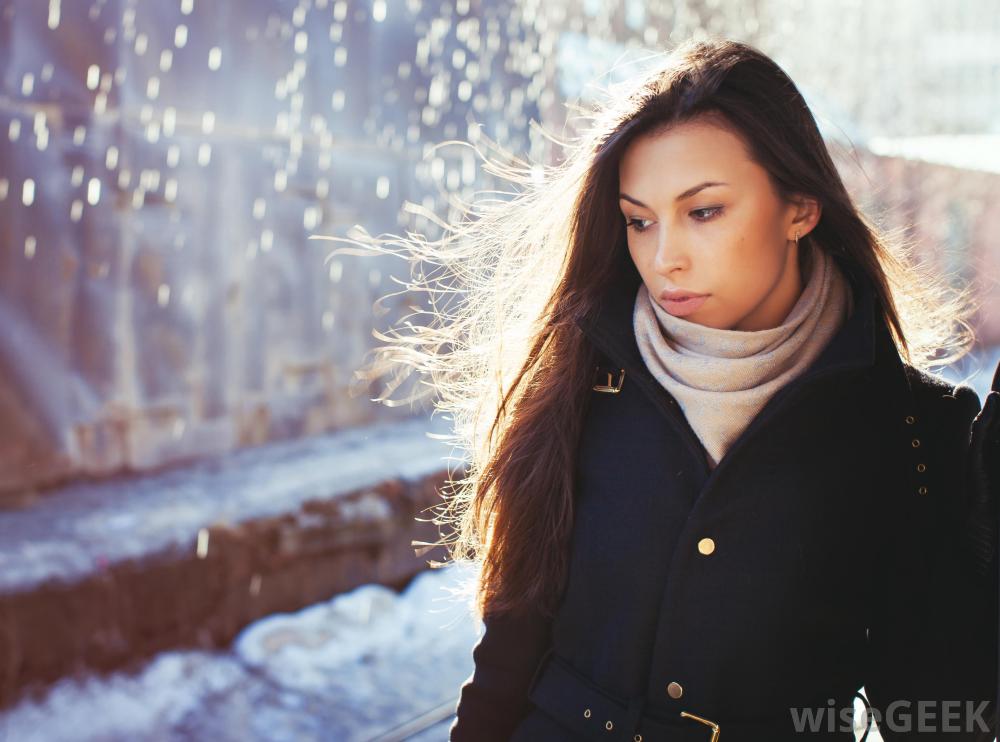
x=721, y=378
x=609, y=324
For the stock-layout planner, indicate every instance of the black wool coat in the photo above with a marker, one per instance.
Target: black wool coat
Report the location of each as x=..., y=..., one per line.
x=819, y=556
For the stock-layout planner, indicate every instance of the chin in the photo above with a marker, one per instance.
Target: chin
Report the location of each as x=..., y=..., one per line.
x=718, y=324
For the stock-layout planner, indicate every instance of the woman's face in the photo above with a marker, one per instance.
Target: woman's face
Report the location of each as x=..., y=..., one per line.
x=734, y=243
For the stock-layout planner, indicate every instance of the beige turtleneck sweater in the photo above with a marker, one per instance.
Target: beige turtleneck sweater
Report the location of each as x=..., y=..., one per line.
x=722, y=378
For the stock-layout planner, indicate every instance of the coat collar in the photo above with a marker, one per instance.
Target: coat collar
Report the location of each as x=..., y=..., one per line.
x=863, y=345
x=862, y=339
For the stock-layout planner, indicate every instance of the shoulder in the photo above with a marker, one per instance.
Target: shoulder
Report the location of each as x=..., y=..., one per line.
x=937, y=431
x=941, y=400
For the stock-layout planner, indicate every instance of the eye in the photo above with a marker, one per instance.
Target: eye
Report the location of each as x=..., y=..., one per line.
x=713, y=209
x=632, y=223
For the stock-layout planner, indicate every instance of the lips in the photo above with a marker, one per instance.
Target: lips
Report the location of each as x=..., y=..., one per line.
x=680, y=303
x=679, y=294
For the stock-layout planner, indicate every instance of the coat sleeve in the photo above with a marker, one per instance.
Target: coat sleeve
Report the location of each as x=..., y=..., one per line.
x=494, y=698
x=932, y=635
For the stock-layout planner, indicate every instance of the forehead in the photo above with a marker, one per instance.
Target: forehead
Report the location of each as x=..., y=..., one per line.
x=675, y=159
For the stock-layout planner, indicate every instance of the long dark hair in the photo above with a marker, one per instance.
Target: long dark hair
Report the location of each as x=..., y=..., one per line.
x=507, y=360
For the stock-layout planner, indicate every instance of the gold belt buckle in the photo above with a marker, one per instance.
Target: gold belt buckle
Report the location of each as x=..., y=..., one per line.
x=610, y=388
x=715, y=727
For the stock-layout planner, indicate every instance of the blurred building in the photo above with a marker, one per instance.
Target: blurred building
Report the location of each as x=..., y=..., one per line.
x=163, y=165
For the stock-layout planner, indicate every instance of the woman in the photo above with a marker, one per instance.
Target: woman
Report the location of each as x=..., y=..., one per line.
x=717, y=491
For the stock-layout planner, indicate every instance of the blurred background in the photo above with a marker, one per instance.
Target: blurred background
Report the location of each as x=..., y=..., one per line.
x=205, y=526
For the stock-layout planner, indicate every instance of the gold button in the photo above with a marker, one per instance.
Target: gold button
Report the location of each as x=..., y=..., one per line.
x=706, y=546
x=674, y=690
x=921, y=467
x=910, y=419
x=608, y=725
x=922, y=490
x=637, y=738
x=915, y=443
x=586, y=713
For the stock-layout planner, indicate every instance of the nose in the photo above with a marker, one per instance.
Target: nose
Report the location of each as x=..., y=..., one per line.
x=670, y=255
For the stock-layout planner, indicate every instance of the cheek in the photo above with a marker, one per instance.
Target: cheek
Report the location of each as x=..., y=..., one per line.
x=743, y=267
x=641, y=258
x=748, y=254
x=731, y=260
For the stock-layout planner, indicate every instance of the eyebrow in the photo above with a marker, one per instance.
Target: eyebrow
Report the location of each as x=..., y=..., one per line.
x=687, y=194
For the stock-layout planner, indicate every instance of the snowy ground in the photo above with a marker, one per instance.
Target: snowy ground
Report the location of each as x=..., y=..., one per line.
x=353, y=669
x=346, y=670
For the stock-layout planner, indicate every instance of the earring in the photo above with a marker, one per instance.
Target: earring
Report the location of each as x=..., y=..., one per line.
x=796, y=239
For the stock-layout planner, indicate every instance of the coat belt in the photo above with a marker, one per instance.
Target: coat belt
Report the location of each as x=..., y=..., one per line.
x=580, y=705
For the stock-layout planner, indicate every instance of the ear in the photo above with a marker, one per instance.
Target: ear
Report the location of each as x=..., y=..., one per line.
x=806, y=213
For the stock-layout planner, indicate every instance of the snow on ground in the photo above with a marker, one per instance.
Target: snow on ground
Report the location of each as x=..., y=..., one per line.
x=345, y=670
